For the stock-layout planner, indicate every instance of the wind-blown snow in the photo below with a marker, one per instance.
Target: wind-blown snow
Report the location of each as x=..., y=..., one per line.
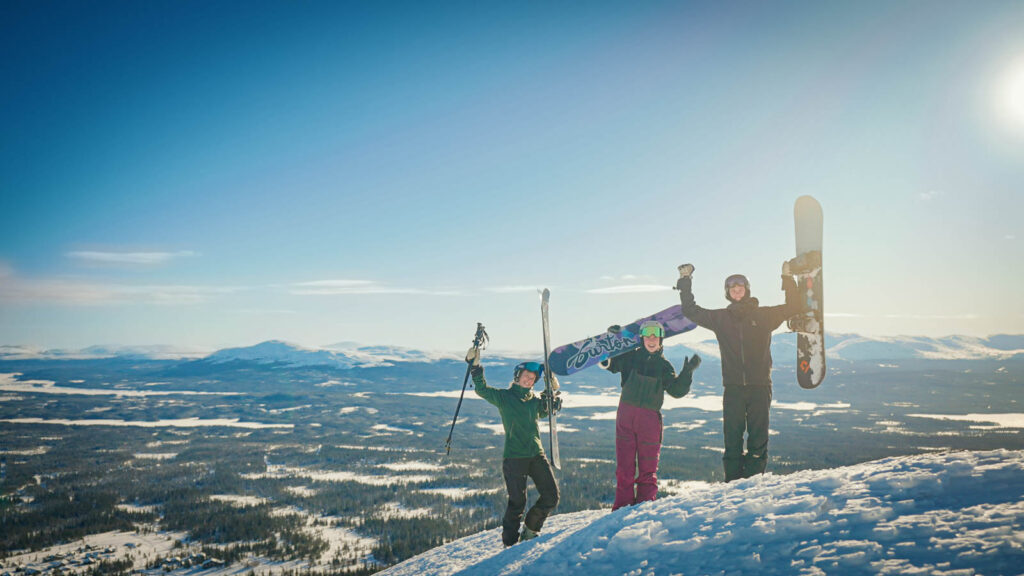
x=958, y=513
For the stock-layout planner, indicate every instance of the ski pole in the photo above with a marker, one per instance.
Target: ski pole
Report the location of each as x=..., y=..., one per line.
x=479, y=341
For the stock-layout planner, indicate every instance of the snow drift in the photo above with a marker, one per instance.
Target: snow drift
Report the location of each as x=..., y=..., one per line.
x=958, y=513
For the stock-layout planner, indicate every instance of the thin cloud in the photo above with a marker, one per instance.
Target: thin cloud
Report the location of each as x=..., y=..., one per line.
x=72, y=292
x=512, y=289
x=929, y=195
x=357, y=287
x=630, y=289
x=95, y=257
x=932, y=316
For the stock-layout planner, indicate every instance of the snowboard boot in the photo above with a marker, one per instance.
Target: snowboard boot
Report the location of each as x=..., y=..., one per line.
x=527, y=534
x=803, y=324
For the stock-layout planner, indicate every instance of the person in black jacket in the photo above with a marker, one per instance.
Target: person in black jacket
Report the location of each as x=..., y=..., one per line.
x=744, y=331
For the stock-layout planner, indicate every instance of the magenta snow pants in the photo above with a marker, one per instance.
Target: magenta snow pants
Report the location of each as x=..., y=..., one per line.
x=637, y=445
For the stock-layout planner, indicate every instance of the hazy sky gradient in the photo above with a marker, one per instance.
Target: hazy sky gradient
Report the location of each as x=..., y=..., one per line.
x=220, y=173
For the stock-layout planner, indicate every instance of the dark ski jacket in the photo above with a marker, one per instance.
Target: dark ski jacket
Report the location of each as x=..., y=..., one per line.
x=744, y=332
x=519, y=410
x=646, y=377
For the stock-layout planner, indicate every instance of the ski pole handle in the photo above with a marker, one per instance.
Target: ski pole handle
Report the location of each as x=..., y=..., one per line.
x=480, y=338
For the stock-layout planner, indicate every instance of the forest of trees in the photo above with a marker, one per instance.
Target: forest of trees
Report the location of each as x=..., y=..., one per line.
x=61, y=483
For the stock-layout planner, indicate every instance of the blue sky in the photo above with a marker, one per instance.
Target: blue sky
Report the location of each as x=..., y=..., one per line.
x=216, y=174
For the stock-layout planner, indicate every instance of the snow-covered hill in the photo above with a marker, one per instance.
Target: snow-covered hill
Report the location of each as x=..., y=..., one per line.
x=343, y=355
x=945, y=513
x=949, y=348
x=349, y=354
x=155, y=352
x=857, y=348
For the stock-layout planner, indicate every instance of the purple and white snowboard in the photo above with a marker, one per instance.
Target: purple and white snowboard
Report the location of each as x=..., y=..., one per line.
x=574, y=357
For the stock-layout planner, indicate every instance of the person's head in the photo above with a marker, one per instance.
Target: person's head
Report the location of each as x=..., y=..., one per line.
x=652, y=333
x=527, y=374
x=736, y=288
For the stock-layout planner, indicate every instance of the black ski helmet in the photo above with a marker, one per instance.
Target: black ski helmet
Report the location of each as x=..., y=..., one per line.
x=535, y=367
x=736, y=279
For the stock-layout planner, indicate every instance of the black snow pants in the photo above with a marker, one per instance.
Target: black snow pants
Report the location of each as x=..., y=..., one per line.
x=516, y=471
x=745, y=409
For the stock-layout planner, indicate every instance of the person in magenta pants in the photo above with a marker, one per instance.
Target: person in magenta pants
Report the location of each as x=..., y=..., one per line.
x=646, y=377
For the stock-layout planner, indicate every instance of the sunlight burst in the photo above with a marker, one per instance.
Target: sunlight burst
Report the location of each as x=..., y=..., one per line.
x=1011, y=94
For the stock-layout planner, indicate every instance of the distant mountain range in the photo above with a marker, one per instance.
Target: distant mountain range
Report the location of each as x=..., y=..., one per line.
x=345, y=355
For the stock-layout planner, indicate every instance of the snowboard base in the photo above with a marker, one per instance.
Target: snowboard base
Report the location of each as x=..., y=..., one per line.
x=809, y=324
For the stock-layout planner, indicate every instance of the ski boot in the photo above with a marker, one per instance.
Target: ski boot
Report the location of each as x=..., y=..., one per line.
x=527, y=534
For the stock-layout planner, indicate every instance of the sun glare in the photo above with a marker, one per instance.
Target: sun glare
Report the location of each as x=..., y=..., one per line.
x=1011, y=94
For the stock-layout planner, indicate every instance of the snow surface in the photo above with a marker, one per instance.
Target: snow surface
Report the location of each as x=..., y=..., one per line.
x=953, y=513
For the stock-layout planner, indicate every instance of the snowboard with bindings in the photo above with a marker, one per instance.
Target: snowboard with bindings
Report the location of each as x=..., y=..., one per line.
x=549, y=392
x=572, y=358
x=809, y=324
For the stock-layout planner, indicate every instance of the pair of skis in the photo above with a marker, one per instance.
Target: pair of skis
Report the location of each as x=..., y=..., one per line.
x=549, y=392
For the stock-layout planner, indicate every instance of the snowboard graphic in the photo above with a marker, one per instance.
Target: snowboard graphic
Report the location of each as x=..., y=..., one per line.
x=809, y=324
x=572, y=358
x=556, y=460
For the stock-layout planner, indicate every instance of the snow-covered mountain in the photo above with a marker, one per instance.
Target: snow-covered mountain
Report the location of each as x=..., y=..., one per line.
x=155, y=352
x=940, y=513
x=998, y=347
x=343, y=355
x=855, y=348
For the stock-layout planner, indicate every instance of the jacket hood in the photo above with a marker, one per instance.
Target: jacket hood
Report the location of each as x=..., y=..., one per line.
x=520, y=392
x=744, y=307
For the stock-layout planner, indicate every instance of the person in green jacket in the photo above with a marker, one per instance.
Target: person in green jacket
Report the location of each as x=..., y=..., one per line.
x=646, y=376
x=524, y=453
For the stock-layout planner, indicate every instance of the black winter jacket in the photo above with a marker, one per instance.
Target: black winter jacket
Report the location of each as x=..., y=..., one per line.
x=744, y=332
x=646, y=377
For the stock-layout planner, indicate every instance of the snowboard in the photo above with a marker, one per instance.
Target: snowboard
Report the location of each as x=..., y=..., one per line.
x=806, y=267
x=572, y=358
x=556, y=460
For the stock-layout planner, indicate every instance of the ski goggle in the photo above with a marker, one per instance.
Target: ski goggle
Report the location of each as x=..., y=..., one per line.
x=736, y=280
x=652, y=330
x=530, y=367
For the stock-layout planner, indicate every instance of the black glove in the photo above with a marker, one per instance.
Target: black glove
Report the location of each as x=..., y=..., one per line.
x=788, y=283
x=691, y=363
x=476, y=370
x=556, y=404
x=614, y=329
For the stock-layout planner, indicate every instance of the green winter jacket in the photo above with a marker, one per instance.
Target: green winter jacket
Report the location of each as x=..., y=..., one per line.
x=519, y=410
x=647, y=377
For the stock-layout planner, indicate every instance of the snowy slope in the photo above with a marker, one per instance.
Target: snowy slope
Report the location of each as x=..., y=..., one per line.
x=951, y=513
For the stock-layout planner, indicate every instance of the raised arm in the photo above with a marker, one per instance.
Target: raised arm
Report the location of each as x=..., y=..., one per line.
x=679, y=386
x=481, y=388
x=793, y=306
x=701, y=316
